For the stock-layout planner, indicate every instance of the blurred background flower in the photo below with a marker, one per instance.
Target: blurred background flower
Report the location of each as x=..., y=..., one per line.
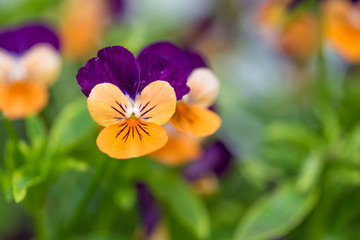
x=30, y=62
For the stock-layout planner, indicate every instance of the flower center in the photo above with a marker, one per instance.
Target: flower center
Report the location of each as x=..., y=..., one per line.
x=132, y=117
x=133, y=120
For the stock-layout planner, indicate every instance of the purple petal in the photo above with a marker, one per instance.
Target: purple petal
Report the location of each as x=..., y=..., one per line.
x=21, y=39
x=149, y=210
x=216, y=159
x=170, y=52
x=154, y=67
x=115, y=65
x=195, y=60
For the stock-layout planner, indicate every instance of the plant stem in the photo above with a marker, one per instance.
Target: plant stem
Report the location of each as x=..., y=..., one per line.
x=88, y=194
x=321, y=76
x=10, y=128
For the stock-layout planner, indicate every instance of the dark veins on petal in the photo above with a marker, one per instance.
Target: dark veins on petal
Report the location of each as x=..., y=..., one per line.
x=19, y=40
x=135, y=131
x=216, y=159
x=149, y=209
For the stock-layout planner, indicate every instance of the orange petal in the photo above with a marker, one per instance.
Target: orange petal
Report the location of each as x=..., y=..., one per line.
x=204, y=87
x=156, y=103
x=292, y=41
x=195, y=120
x=108, y=105
x=42, y=64
x=342, y=28
x=272, y=13
x=131, y=138
x=20, y=99
x=179, y=149
x=7, y=62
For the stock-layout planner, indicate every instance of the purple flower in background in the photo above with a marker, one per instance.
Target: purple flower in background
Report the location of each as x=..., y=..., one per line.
x=18, y=41
x=118, y=66
x=149, y=210
x=216, y=159
x=116, y=6
x=29, y=63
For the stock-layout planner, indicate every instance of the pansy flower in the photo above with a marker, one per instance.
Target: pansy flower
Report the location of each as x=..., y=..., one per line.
x=292, y=32
x=342, y=27
x=192, y=115
x=131, y=97
x=83, y=24
x=29, y=63
x=213, y=163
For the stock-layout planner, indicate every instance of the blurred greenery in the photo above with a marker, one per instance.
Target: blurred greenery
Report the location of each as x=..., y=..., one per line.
x=297, y=149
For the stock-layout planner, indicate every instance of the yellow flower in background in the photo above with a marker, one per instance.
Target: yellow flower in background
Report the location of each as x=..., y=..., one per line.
x=29, y=63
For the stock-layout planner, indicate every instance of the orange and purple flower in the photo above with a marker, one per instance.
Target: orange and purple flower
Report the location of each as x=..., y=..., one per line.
x=29, y=63
x=131, y=97
x=192, y=115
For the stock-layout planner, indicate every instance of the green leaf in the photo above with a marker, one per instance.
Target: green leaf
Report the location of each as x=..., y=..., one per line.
x=72, y=164
x=275, y=214
x=22, y=179
x=36, y=131
x=310, y=172
x=125, y=197
x=183, y=203
x=72, y=126
x=292, y=132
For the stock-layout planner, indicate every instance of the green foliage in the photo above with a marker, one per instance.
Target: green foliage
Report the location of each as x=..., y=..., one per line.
x=71, y=126
x=275, y=214
x=297, y=168
x=182, y=203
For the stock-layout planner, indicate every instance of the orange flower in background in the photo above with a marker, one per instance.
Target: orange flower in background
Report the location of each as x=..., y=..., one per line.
x=83, y=24
x=29, y=63
x=179, y=149
x=192, y=116
x=342, y=27
x=293, y=32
